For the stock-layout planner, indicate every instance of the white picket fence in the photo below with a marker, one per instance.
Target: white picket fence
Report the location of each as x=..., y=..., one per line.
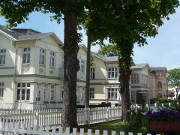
x=154, y=108
x=52, y=117
x=14, y=129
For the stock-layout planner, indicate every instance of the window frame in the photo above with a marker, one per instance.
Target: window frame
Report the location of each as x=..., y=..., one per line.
x=2, y=57
x=52, y=59
x=46, y=97
x=82, y=67
x=159, y=84
x=112, y=93
x=42, y=57
x=26, y=59
x=92, y=93
x=24, y=91
x=134, y=78
x=38, y=92
x=112, y=73
x=92, y=73
x=1, y=89
x=52, y=90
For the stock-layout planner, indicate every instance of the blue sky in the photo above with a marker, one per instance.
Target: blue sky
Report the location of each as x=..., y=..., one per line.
x=161, y=51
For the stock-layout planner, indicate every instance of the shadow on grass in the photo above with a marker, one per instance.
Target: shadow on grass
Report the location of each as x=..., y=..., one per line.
x=109, y=126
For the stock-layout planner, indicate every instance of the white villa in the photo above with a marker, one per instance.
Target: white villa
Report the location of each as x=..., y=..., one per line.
x=32, y=72
x=31, y=69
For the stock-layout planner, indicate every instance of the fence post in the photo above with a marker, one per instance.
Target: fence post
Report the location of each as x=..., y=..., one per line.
x=1, y=124
x=107, y=115
x=36, y=121
x=87, y=116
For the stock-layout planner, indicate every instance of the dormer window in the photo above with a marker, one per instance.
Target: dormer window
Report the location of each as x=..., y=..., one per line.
x=26, y=56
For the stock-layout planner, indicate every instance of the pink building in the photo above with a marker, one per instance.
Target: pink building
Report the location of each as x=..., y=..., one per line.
x=160, y=87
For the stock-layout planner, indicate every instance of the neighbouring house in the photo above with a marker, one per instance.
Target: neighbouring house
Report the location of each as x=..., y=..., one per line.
x=152, y=84
x=140, y=83
x=160, y=90
x=31, y=69
x=104, y=83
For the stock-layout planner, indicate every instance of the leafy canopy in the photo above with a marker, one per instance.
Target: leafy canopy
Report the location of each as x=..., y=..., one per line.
x=173, y=77
x=17, y=11
x=131, y=20
x=109, y=50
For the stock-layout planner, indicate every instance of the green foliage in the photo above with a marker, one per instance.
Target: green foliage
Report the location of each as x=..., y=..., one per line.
x=175, y=106
x=109, y=50
x=17, y=11
x=160, y=100
x=173, y=77
x=137, y=121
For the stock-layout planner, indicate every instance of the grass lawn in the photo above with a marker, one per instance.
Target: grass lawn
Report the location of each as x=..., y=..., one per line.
x=109, y=126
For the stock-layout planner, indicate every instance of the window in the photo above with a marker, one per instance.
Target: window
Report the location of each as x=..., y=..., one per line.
x=82, y=66
x=91, y=95
x=52, y=92
x=157, y=73
x=46, y=92
x=26, y=56
x=160, y=74
x=2, y=56
x=112, y=72
x=62, y=91
x=52, y=56
x=38, y=92
x=92, y=73
x=1, y=89
x=159, y=85
x=135, y=78
x=112, y=93
x=23, y=91
x=42, y=57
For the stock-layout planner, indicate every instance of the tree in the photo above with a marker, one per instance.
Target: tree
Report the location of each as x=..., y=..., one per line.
x=125, y=23
x=17, y=11
x=173, y=78
x=109, y=50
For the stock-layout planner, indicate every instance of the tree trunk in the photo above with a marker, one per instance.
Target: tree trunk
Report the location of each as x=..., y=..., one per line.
x=88, y=72
x=71, y=66
x=124, y=78
x=125, y=48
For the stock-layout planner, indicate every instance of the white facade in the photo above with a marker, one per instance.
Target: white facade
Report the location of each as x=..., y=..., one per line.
x=33, y=71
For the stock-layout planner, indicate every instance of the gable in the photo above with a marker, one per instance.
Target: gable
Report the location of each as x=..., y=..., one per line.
x=48, y=42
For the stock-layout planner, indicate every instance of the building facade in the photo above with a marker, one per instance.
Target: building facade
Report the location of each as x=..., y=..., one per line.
x=32, y=67
x=160, y=90
x=32, y=73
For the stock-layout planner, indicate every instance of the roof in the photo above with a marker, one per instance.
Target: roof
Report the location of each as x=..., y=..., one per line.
x=105, y=58
x=158, y=68
x=22, y=34
x=139, y=66
x=111, y=58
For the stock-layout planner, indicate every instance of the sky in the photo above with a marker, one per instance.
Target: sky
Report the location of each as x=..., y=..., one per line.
x=161, y=51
